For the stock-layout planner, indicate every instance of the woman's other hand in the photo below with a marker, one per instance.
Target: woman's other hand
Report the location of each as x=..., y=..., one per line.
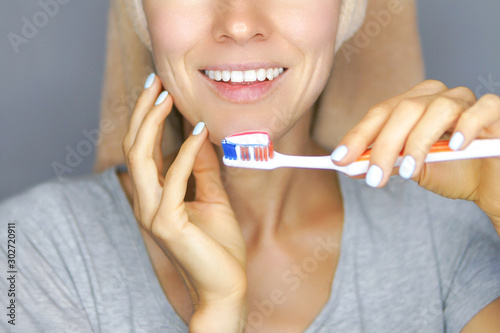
x=201, y=238
x=416, y=119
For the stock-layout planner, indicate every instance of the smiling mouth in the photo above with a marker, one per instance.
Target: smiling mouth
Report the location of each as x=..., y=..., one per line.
x=244, y=77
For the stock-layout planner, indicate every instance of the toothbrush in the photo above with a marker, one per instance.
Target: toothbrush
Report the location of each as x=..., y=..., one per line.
x=254, y=150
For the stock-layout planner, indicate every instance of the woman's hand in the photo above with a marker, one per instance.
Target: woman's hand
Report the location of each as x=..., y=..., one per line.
x=412, y=122
x=201, y=238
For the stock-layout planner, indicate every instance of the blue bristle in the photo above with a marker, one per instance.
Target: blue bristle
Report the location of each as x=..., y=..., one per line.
x=229, y=150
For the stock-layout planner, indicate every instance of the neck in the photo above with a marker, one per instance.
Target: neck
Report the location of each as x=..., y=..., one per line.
x=267, y=203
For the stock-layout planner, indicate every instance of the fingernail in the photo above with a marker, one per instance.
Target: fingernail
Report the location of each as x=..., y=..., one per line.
x=374, y=176
x=339, y=153
x=161, y=98
x=407, y=167
x=149, y=81
x=456, y=141
x=198, y=128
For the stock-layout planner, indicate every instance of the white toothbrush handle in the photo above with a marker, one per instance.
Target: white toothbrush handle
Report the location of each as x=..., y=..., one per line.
x=318, y=162
x=477, y=149
x=310, y=162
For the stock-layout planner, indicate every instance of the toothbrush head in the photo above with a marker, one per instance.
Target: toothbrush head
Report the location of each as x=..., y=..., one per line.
x=248, y=146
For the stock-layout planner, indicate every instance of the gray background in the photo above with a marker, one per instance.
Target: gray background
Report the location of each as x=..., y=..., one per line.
x=50, y=89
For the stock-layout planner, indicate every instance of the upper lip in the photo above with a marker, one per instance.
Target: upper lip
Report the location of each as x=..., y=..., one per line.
x=241, y=66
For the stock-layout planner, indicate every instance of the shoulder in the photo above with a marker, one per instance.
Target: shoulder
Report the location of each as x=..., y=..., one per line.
x=79, y=249
x=61, y=197
x=404, y=216
x=448, y=249
x=404, y=202
x=62, y=212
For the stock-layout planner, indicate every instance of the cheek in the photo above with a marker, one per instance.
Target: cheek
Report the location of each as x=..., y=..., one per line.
x=316, y=29
x=175, y=30
x=313, y=31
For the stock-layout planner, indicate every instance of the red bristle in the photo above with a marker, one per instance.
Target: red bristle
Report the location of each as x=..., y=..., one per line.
x=242, y=153
x=265, y=153
x=247, y=153
x=271, y=151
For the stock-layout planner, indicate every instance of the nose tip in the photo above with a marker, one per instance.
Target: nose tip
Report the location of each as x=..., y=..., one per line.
x=240, y=28
x=241, y=25
x=242, y=33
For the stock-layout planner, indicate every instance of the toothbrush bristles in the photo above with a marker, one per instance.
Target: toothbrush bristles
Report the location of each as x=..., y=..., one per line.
x=256, y=147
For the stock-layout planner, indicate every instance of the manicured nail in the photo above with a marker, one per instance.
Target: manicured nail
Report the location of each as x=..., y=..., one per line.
x=456, y=141
x=407, y=167
x=374, y=176
x=161, y=98
x=339, y=153
x=149, y=81
x=198, y=128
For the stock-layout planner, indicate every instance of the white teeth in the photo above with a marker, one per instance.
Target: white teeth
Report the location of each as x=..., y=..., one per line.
x=250, y=76
x=218, y=75
x=237, y=76
x=270, y=74
x=245, y=76
x=261, y=74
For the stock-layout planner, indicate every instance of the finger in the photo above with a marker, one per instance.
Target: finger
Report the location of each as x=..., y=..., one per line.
x=358, y=139
x=195, y=254
x=481, y=120
x=206, y=171
x=391, y=140
x=441, y=115
x=140, y=159
x=143, y=105
x=462, y=93
x=158, y=152
x=175, y=185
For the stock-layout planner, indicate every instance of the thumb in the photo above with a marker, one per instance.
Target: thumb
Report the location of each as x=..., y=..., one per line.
x=206, y=171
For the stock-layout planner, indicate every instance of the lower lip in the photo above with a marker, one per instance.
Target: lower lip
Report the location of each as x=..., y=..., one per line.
x=246, y=92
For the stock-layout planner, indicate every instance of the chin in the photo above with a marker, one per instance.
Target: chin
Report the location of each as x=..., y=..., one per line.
x=275, y=118
x=221, y=128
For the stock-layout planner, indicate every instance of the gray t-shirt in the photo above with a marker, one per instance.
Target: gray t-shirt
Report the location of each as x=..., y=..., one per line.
x=410, y=261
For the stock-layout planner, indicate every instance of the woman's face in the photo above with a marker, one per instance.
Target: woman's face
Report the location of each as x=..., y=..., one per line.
x=216, y=58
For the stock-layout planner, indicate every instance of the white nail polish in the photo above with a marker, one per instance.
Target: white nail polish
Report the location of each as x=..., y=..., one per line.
x=149, y=81
x=339, y=153
x=456, y=141
x=407, y=167
x=374, y=176
x=198, y=128
x=161, y=98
